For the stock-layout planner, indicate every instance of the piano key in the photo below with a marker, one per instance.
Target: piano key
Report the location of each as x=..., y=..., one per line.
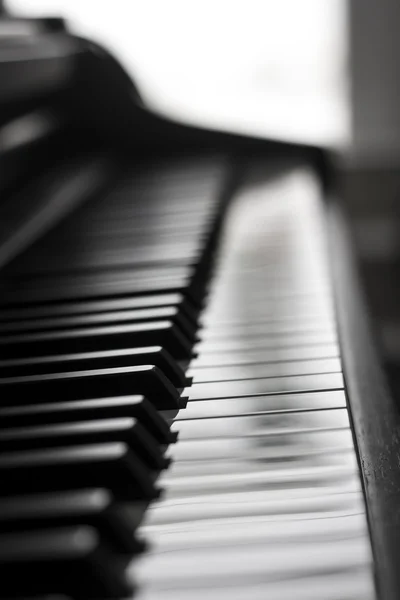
x=159, y=333
x=43, y=311
x=143, y=315
x=157, y=216
x=265, y=341
x=272, y=320
x=326, y=518
x=191, y=512
x=253, y=467
x=266, y=449
x=196, y=223
x=252, y=405
x=263, y=424
x=236, y=330
x=272, y=298
x=316, y=312
x=281, y=303
x=258, y=563
x=283, y=478
x=254, y=269
x=244, y=318
x=74, y=561
x=270, y=462
x=80, y=385
x=265, y=482
x=339, y=525
x=280, y=286
x=125, y=430
x=132, y=235
x=151, y=214
x=93, y=507
x=108, y=256
x=136, y=407
x=265, y=355
x=262, y=370
x=110, y=465
x=129, y=246
x=353, y=584
x=150, y=355
x=264, y=386
x=183, y=185
x=91, y=286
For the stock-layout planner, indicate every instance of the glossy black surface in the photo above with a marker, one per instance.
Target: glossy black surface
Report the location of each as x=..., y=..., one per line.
x=126, y=430
x=89, y=339
x=70, y=560
x=150, y=355
x=112, y=465
x=93, y=507
x=97, y=383
x=136, y=407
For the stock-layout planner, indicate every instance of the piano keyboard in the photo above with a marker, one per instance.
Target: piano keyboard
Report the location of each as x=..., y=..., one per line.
x=261, y=495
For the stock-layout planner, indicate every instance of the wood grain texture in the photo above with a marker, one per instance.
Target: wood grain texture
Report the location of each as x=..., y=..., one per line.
x=375, y=417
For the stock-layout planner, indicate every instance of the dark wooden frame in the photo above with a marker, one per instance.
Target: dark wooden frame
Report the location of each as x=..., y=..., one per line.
x=374, y=415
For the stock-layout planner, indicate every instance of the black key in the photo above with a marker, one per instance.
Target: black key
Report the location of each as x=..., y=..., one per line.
x=50, y=311
x=160, y=333
x=137, y=407
x=113, y=466
x=126, y=430
x=146, y=380
x=129, y=357
x=122, y=253
x=94, y=507
x=95, y=285
x=75, y=561
x=72, y=322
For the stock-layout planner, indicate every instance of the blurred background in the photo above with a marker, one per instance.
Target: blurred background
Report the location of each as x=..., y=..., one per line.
x=302, y=70
x=264, y=67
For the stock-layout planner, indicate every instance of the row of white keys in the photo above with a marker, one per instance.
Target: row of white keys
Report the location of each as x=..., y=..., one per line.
x=263, y=498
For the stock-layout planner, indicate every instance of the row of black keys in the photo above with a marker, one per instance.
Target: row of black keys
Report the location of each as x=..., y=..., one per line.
x=77, y=474
x=97, y=324
x=79, y=454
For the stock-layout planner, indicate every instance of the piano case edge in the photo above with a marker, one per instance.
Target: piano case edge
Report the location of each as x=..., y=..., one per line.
x=374, y=415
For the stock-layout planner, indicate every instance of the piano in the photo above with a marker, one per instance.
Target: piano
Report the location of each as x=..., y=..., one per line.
x=191, y=400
